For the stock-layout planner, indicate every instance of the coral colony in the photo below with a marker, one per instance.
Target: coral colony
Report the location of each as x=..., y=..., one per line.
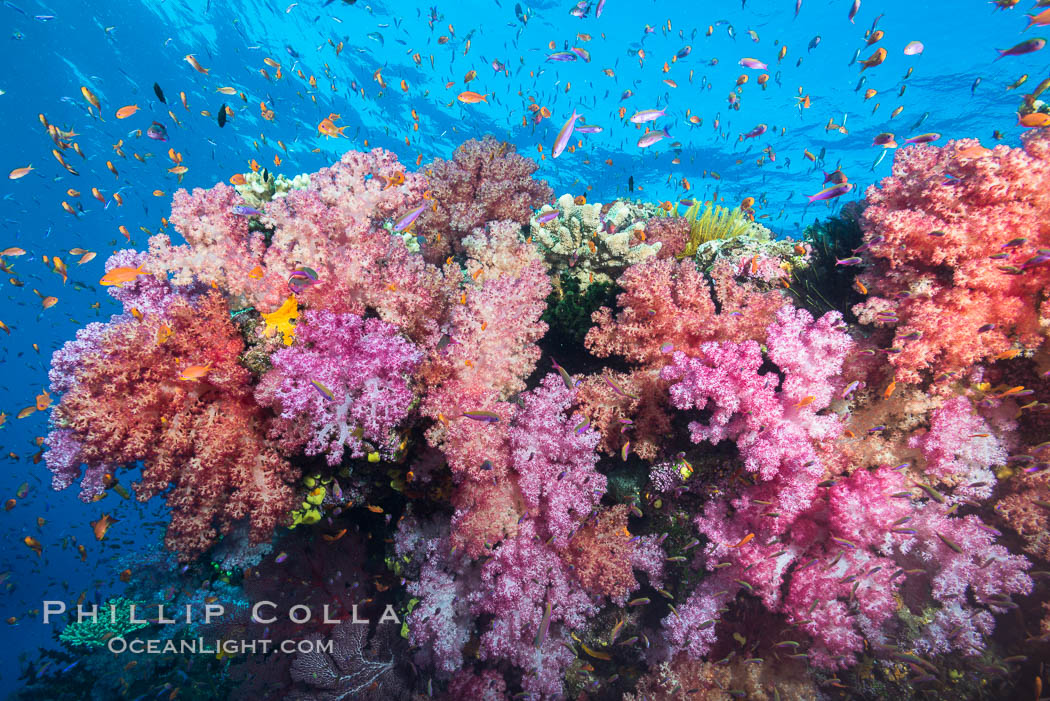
x=721, y=490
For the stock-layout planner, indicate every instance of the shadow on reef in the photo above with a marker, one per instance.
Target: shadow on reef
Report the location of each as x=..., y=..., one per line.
x=824, y=285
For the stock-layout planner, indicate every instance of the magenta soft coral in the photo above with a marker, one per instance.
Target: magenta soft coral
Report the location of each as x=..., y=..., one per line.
x=553, y=462
x=205, y=439
x=365, y=365
x=523, y=577
x=933, y=229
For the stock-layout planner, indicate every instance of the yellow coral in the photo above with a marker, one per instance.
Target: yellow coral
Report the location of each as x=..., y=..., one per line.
x=715, y=223
x=281, y=320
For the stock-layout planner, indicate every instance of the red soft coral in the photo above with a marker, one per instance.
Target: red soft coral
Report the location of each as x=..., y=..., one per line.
x=670, y=302
x=205, y=438
x=955, y=240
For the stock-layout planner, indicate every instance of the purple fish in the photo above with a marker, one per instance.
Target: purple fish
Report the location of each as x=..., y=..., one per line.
x=757, y=131
x=684, y=51
x=830, y=193
x=652, y=137
x=798, y=6
x=588, y=129
x=562, y=56
x=547, y=216
x=488, y=417
x=1025, y=47
x=410, y=218
x=647, y=115
x=626, y=94
x=753, y=63
x=157, y=132
x=923, y=138
x=325, y=392
x=582, y=53
x=601, y=6
x=853, y=10
x=243, y=210
x=564, y=135
x=497, y=66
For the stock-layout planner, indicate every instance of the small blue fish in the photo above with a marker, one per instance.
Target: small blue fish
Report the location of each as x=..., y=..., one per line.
x=243, y=210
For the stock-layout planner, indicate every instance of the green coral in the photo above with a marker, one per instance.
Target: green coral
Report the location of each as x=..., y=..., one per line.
x=569, y=308
x=823, y=285
x=261, y=187
x=113, y=621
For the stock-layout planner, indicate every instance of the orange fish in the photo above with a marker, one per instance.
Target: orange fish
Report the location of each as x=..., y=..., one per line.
x=126, y=111
x=237, y=179
x=195, y=372
x=48, y=302
x=118, y=276
x=470, y=97
x=328, y=127
x=1035, y=119
x=190, y=59
x=43, y=401
x=102, y=525
x=743, y=541
x=805, y=401
x=21, y=172
x=977, y=151
x=889, y=389
x=874, y=60
x=334, y=537
x=33, y=544
x=256, y=273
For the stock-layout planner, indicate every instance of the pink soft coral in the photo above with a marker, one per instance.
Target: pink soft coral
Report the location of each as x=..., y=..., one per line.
x=336, y=226
x=665, y=301
x=485, y=181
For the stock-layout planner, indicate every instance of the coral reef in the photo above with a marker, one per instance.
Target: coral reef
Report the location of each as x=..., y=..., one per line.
x=583, y=450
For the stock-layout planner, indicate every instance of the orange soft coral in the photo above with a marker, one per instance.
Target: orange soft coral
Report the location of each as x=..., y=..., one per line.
x=957, y=240
x=205, y=438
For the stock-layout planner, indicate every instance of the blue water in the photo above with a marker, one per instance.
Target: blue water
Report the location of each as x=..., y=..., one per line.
x=120, y=49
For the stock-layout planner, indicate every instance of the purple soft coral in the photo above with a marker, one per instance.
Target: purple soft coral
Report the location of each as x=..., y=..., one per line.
x=555, y=463
x=345, y=381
